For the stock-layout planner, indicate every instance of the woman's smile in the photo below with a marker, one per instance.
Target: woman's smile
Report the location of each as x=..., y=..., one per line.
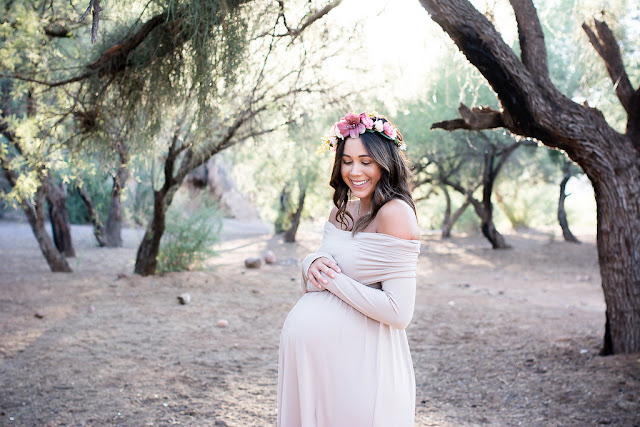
x=359, y=184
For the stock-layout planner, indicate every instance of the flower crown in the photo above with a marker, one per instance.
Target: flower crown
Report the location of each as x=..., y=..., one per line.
x=353, y=125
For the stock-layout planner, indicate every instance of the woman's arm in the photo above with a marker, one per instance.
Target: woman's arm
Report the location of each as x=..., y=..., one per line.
x=394, y=303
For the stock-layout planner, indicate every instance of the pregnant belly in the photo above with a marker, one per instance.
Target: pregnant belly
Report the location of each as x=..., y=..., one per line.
x=320, y=319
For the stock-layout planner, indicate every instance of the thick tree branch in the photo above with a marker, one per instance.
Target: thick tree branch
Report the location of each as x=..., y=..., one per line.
x=117, y=55
x=477, y=118
x=607, y=47
x=534, y=51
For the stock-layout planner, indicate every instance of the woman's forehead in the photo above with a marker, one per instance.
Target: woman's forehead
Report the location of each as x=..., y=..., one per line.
x=353, y=147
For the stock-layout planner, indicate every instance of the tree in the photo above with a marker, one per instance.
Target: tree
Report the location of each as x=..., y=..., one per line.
x=171, y=52
x=243, y=109
x=532, y=106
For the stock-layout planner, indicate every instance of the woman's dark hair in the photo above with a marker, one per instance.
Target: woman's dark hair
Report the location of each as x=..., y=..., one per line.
x=393, y=183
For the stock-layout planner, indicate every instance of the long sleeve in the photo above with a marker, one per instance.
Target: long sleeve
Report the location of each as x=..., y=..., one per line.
x=367, y=259
x=392, y=305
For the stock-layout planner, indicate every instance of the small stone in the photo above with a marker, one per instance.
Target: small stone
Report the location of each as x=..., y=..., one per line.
x=222, y=323
x=91, y=309
x=39, y=315
x=584, y=351
x=122, y=276
x=220, y=423
x=184, y=299
x=270, y=257
x=253, y=262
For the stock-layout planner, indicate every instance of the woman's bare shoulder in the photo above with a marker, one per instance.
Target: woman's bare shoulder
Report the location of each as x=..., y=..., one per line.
x=397, y=218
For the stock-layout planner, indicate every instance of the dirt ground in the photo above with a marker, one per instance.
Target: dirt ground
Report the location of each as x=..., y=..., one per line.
x=498, y=337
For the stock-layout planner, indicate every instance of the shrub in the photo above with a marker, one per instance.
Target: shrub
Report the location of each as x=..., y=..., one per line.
x=188, y=238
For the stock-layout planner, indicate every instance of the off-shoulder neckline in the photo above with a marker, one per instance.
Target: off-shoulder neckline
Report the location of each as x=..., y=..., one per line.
x=366, y=234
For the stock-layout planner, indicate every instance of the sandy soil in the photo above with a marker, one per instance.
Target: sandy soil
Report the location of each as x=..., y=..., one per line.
x=498, y=337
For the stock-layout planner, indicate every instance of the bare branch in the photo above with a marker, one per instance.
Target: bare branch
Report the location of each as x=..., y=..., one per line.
x=46, y=83
x=607, y=47
x=95, y=6
x=295, y=32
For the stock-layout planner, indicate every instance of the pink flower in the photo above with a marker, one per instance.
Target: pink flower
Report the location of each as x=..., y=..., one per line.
x=350, y=126
x=366, y=121
x=379, y=125
x=389, y=130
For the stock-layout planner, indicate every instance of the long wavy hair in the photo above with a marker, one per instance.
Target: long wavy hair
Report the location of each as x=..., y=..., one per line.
x=393, y=183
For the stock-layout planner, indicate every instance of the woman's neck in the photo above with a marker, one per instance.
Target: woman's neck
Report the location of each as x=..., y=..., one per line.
x=364, y=207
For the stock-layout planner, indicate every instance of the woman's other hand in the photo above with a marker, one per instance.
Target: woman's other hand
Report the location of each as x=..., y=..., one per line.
x=319, y=266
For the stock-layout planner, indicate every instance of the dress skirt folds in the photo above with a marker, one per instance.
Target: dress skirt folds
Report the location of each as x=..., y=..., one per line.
x=344, y=355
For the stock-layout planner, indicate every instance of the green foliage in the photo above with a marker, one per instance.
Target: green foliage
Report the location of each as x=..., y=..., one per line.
x=287, y=162
x=189, y=236
x=99, y=189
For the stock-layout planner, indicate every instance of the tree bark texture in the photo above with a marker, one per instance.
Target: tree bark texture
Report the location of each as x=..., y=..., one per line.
x=290, y=235
x=59, y=216
x=113, y=232
x=35, y=215
x=562, y=214
x=533, y=107
x=94, y=217
x=147, y=256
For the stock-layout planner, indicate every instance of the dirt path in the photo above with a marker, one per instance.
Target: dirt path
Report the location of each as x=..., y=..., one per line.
x=498, y=337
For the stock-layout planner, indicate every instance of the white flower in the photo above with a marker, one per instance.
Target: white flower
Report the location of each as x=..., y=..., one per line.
x=379, y=125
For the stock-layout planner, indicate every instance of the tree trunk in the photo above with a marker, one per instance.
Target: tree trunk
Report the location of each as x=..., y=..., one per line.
x=486, y=215
x=446, y=222
x=35, y=216
x=147, y=256
x=533, y=107
x=618, y=204
x=94, y=217
x=35, y=212
x=113, y=232
x=290, y=235
x=450, y=220
x=562, y=214
x=60, y=225
x=457, y=214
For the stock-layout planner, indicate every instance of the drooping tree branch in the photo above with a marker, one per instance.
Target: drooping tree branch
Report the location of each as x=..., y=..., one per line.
x=117, y=54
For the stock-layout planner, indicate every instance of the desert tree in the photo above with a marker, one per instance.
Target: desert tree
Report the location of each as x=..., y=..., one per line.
x=532, y=106
x=159, y=54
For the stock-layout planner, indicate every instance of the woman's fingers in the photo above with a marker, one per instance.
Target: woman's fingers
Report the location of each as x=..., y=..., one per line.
x=319, y=266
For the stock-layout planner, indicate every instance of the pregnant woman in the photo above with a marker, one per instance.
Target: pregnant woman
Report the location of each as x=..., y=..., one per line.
x=344, y=355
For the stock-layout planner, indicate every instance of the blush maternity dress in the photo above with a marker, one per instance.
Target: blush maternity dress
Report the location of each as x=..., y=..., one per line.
x=344, y=355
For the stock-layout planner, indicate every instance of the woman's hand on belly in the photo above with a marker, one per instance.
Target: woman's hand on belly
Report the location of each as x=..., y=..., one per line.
x=319, y=266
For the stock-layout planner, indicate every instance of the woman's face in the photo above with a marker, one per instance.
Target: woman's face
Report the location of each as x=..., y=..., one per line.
x=358, y=169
